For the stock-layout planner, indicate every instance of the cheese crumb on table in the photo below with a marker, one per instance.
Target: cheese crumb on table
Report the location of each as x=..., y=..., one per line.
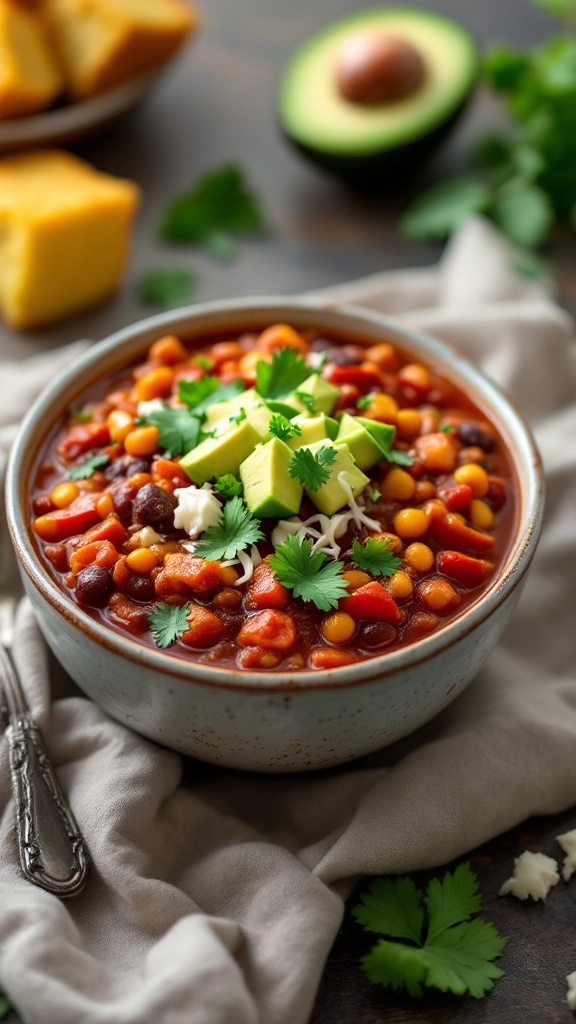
x=568, y=843
x=533, y=876
x=64, y=236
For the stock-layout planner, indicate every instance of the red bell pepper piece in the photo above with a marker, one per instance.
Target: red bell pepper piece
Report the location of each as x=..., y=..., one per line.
x=455, y=496
x=365, y=380
x=463, y=568
x=372, y=601
x=82, y=437
x=76, y=518
x=451, y=532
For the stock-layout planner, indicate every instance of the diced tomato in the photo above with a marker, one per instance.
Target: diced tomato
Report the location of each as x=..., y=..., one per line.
x=328, y=657
x=166, y=469
x=269, y=628
x=372, y=601
x=98, y=552
x=184, y=572
x=78, y=517
x=121, y=573
x=455, y=496
x=133, y=616
x=108, y=529
x=451, y=532
x=205, y=628
x=266, y=591
x=365, y=380
x=82, y=437
x=463, y=568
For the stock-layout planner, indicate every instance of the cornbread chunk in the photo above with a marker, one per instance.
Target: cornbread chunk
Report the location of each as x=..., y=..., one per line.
x=103, y=42
x=30, y=79
x=64, y=236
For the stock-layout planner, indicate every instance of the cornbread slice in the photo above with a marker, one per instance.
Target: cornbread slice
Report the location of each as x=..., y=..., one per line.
x=29, y=76
x=102, y=42
x=64, y=236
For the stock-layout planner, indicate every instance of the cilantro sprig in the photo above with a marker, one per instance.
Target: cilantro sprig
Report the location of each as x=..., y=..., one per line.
x=374, y=556
x=198, y=395
x=433, y=939
x=312, y=577
x=311, y=468
x=87, y=468
x=237, y=530
x=178, y=429
x=229, y=486
x=283, y=428
x=167, y=622
x=282, y=375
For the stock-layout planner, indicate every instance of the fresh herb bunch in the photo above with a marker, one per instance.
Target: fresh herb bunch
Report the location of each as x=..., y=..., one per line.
x=87, y=468
x=526, y=178
x=432, y=939
x=237, y=530
x=312, y=577
x=311, y=468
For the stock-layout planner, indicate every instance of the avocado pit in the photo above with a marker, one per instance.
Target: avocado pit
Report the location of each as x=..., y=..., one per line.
x=376, y=67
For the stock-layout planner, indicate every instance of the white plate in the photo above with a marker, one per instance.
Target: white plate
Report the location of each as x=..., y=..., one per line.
x=75, y=121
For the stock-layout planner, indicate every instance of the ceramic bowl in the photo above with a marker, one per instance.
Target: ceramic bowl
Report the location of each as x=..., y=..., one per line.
x=271, y=721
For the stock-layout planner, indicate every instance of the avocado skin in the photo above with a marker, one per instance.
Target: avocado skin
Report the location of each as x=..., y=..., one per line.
x=379, y=170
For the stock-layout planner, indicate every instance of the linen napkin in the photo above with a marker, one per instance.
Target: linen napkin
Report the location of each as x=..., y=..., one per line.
x=214, y=896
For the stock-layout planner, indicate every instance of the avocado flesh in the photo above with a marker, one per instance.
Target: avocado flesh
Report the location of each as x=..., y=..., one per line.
x=246, y=400
x=312, y=428
x=362, y=142
x=216, y=456
x=269, y=490
x=331, y=496
x=368, y=441
x=324, y=395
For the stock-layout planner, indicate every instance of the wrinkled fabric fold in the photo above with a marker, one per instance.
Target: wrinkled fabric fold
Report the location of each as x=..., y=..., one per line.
x=214, y=896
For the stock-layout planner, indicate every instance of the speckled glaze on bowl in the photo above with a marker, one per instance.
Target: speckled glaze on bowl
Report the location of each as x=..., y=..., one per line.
x=266, y=721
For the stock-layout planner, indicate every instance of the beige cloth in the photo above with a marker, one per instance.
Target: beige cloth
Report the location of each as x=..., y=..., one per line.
x=214, y=897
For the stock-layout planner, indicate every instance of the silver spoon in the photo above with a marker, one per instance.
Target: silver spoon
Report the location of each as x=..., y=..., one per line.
x=52, y=850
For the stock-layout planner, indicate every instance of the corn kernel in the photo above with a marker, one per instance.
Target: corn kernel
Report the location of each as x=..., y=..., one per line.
x=383, y=355
x=419, y=557
x=64, y=494
x=141, y=441
x=228, y=575
x=481, y=515
x=408, y=423
x=475, y=476
x=155, y=384
x=142, y=561
x=280, y=336
x=383, y=408
x=119, y=423
x=411, y=523
x=105, y=505
x=398, y=485
x=355, y=578
x=169, y=350
x=338, y=628
x=400, y=586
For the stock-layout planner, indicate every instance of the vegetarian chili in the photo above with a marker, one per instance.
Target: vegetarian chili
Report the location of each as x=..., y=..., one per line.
x=277, y=500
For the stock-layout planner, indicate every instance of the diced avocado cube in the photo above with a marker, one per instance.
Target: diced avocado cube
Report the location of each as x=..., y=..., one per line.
x=245, y=400
x=313, y=428
x=323, y=395
x=269, y=490
x=331, y=496
x=283, y=407
x=216, y=456
x=366, y=447
x=259, y=417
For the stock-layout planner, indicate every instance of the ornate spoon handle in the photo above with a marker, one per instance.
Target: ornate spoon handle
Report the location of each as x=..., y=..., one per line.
x=52, y=851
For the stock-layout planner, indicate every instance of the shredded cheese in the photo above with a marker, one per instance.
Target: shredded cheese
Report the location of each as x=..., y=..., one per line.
x=533, y=876
x=248, y=563
x=323, y=530
x=147, y=536
x=360, y=517
x=197, y=509
x=568, y=843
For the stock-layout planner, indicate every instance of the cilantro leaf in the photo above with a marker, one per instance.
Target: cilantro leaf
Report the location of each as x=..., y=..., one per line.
x=229, y=486
x=364, y=401
x=219, y=205
x=178, y=429
x=309, y=576
x=166, y=287
x=398, y=457
x=236, y=531
x=447, y=948
x=86, y=469
x=198, y=395
x=524, y=213
x=282, y=375
x=438, y=212
x=374, y=556
x=4, y=1006
x=307, y=400
x=167, y=622
x=282, y=427
x=310, y=468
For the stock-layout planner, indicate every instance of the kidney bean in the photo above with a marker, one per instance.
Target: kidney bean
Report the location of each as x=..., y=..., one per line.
x=474, y=437
x=126, y=465
x=376, y=634
x=92, y=583
x=153, y=506
x=140, y=588
x=340, y=355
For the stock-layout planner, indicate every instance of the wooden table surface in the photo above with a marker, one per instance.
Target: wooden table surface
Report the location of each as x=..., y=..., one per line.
x=216, y=104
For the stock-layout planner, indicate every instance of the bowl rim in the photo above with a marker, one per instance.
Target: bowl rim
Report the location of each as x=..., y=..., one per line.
x=236, y=313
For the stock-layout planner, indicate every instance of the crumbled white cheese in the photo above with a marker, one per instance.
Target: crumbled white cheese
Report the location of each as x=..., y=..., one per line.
x=533, y=876
x=248, y=563
x=568, y=843
x=197, y=509
x=147, y=536
x=571, y=993
x=323, y=530
x=147, y=408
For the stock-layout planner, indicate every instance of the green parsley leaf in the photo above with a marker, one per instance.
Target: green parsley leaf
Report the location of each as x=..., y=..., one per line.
x=220, y=205
x=307, y=400
x=238, y=417
x=199, y=394
x=203, y=363
x=236, y=531
x=446, y=947
x=311, y=468
x=398, y=457
x=229, y=486
x=166, y=287
x=364, y=401
x=281, y=376
x=375, y=494
x=374, y=556
x=309, y=576
x=178, y=430
x=524, y=213
x=82, y=415
x=86, y=469
x=282, y=428
x=438, y=212
x=167, y=623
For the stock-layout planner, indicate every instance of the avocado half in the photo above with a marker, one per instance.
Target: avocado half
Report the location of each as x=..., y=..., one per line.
x=373, y=143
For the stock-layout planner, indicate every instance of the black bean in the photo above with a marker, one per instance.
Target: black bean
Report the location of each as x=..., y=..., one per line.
x=92, y=583
x=474, y=437
x=376, y=634
x=340, y=355
x=126, y=465
x=140, y=588
x=154, y=507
